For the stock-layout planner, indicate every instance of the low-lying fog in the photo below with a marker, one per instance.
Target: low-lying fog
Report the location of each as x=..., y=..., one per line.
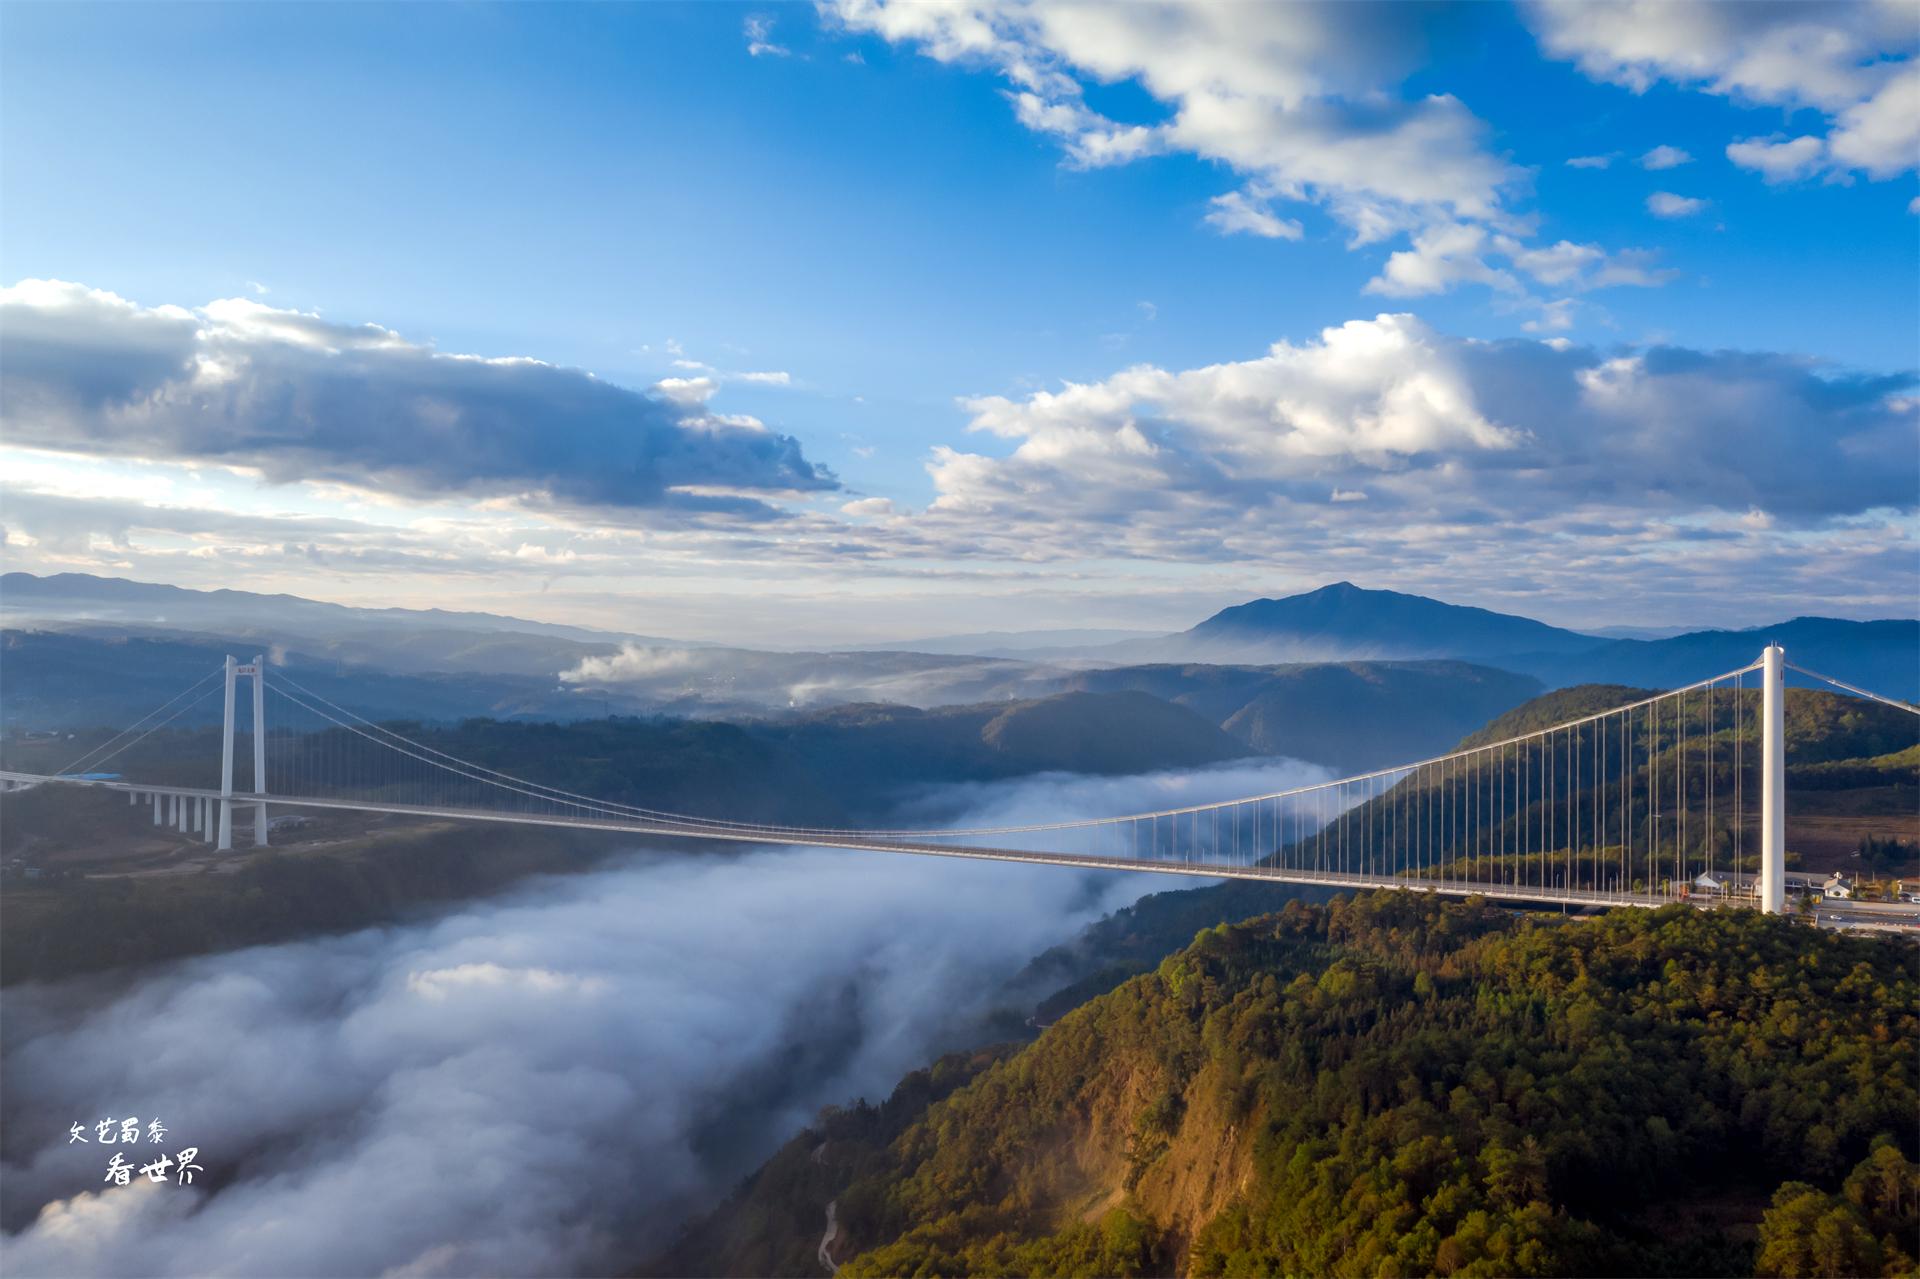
x=548, y=1082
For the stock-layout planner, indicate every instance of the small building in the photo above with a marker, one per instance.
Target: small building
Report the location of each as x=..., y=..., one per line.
x=1837, y=888
x=1706, y=883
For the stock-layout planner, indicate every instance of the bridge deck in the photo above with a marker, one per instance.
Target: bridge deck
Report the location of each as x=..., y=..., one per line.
x=1085, y=861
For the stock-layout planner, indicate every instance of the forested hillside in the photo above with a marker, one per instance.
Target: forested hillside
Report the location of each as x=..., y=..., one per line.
x=99, y=900
x=1396, y=1085
x=824, y=767
x=1349, y=716
x=1346, y=716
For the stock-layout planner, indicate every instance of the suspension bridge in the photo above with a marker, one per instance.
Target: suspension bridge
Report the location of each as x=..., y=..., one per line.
x=1681, y=794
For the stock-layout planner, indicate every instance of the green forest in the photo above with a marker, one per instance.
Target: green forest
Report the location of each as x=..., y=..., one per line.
x=828, y=767
x=1396, y=1085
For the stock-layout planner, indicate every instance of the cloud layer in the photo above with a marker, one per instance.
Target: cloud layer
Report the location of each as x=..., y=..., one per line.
x=1298, y=99
x=1853, y=62
x=295, y=397
x=1386, y=451
x=543, y=1084
x=1498, y=432
x=1382, y=450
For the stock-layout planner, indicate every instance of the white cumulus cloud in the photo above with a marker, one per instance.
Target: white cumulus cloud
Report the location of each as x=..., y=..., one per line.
x=293, y=396
x=1468, y=450
x=1780, y=159
x=1236, y=212
x=1301, y=100
x=1852, y=60
x=1665, y=204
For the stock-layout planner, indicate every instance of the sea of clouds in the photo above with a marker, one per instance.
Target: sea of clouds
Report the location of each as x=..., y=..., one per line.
x=547, y=1082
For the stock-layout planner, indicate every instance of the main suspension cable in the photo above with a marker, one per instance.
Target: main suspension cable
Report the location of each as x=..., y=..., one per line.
x=89, y=759
x=404, y=745
x=1858, y=692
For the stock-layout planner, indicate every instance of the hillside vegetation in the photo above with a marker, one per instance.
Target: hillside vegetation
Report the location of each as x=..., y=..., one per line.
x=1395, y=1085
x=873, y=748
x=123, y=896
x=1642, y=800
x=75, y=920
x=1820, y=726
x=825, y=767
x=1349, y=716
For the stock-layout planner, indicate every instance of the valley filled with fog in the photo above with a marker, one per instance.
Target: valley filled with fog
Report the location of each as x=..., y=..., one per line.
x=547, y=1082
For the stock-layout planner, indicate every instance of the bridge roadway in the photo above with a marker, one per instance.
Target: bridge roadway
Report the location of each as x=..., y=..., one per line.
x=827, y=839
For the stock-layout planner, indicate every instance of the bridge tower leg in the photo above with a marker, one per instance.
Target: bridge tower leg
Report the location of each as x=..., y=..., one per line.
x=1773, y=780
x=259, y=748
x=226, y=767
x=156, y=808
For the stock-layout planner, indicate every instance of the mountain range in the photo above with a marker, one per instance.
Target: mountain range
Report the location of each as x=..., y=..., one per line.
x=480, y=663
x=1342, y=622
x=396, y=639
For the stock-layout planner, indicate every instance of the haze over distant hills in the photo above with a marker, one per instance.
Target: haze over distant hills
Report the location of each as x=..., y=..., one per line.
x=1882, y=655
x=1348, y=716
x=1353, y=715
x=1252, y=659
x=398, y=639
x=1343, y=622
x=84, y=597
x=1041, y=645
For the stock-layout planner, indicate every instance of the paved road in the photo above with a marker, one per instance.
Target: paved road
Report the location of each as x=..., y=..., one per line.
x=1887, y=917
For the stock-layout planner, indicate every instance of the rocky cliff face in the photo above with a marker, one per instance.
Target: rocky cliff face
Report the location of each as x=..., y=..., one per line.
x=1388, y=1085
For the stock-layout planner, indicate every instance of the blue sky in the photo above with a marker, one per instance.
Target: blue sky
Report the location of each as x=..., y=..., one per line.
x=862, y=207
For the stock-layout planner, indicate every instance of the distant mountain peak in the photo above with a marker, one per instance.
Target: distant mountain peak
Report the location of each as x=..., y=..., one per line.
x=1342, y=621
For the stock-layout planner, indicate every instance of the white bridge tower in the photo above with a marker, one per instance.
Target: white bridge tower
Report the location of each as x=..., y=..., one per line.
x=256, y=671
x=1773, y=780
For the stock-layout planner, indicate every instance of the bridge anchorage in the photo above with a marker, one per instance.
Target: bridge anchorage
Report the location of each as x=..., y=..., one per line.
x=1661, y=799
